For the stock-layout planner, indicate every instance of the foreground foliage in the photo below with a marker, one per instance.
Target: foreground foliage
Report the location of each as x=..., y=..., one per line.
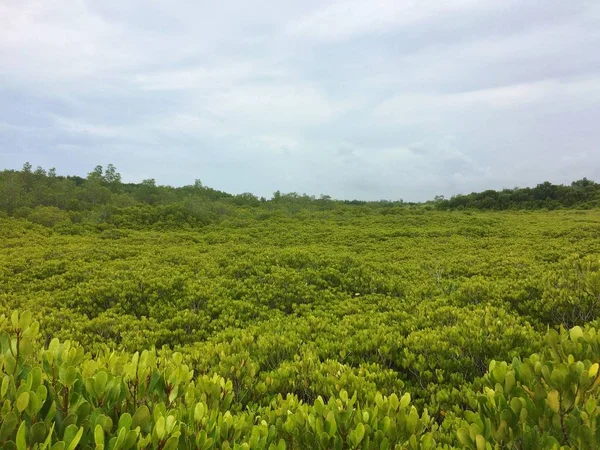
x=58, y=397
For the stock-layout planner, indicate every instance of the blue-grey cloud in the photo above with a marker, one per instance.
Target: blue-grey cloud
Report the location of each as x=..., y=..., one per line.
x=357, y=99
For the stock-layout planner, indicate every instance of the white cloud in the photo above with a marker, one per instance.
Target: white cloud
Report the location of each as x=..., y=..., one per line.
x=429, y=108
x=41, y=40
x=283, y=105
x=277, y=143
x=345, y=19
x=209, y=77
x=103, y=131
x=188, y=125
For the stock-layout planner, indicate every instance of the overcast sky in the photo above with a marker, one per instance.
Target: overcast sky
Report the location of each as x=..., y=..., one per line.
x=368, y=99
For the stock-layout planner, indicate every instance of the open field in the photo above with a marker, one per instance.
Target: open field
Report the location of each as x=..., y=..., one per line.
x=322, y=304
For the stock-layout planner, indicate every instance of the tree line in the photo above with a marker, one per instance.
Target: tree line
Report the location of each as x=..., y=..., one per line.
x=583, y=194
x=102, y=197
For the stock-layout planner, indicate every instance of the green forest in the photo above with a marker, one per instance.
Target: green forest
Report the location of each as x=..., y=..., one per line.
x=139, y=316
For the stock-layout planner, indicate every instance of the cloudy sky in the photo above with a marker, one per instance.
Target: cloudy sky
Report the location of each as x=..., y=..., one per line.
x=369, y=99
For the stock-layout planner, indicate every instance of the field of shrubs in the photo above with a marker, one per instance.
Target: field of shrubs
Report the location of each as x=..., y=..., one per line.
x=332, y=329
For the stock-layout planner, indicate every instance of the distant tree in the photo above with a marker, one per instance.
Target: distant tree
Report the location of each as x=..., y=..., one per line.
x=246, y=199
x=27, y=176
x=111, y=176
x=147, y=191
x=96, y=174
x=12, y=192
x=583, y=183
x=94, y=192
x=39, y=187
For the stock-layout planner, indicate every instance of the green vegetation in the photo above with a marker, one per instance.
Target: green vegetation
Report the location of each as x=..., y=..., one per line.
x=102, y=200
x=582, y=194
x=138, y=316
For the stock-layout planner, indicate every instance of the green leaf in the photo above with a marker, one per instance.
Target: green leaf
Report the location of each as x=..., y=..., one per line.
x=22, y=402
x=54, y=345
x=324, y=440
x=159, y=427
x=38, y=432
x=21, y=442
x=14, y=319
x=199, y=412
x=171, y=443
x=130, y=440
x=464, y=437
x=499, y=372
x=76, y=439
x=72, y=436
x=173, y=394
x=125, y=421
x=46, y=443
x=25, y=320
x=360, y=433
x=115, y=443
x=344, y=396
x=71, y=419
x=68, y=376
x=405, y=400
x=553, y=401
x=25, y=347
x=100, y=381
x=141, y=418
x=412, y=421
x=516, y=405
x=559, y=375
x=5, y=385
x=34, y=404
x=480, y=442
x=427, y=441
x=99, y=435
x=552, y=337
x=393, y=401
x=509, y=382
x=590, y=405
x=10, y=364
x=9, y=423
x=576, y=333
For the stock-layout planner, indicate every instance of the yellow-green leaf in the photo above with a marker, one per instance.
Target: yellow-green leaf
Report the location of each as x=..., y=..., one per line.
x=553, y=401
x=22, y=401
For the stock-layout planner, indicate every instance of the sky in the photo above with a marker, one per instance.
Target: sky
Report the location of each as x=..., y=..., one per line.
x=357, y=99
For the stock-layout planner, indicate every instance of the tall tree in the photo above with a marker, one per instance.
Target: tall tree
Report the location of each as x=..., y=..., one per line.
x=111, y=176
